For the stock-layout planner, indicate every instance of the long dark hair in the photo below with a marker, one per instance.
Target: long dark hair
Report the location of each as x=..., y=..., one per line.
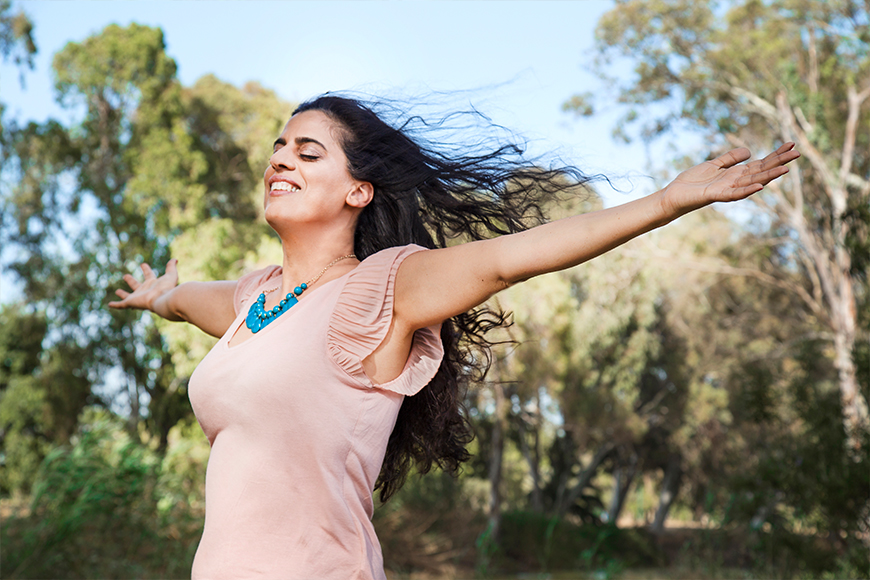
x=427, y=193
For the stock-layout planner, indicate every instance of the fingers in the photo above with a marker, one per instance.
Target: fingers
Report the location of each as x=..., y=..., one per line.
x=731, y=158
x=766, y=177
x=171, y=267
x=757, y=174
x=122, y=294
x=784, y=154
x=761, y=177
x=135, y=285
x=747, y=190
x=149, y=273
x=784, y=147
x=132, y=282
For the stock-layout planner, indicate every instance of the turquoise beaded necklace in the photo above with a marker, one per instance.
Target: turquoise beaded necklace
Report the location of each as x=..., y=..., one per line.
x=258, y=318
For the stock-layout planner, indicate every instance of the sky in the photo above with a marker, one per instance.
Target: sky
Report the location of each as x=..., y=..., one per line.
x=516, y=61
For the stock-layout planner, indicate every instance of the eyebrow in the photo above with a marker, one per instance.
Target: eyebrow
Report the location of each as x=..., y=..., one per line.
x=299, y=141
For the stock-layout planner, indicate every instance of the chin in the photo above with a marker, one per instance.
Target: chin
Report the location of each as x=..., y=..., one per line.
x=276, y=216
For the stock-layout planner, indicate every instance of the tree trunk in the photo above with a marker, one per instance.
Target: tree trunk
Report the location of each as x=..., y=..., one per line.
x=495, y=460
x=856, y=418
x=134, y=393
x=828, y=253
x=623, y=476
x=532, y=457
x=670, y=488
x=585, y=477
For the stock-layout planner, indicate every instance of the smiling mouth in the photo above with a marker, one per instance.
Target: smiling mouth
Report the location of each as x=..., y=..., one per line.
x=282, y=186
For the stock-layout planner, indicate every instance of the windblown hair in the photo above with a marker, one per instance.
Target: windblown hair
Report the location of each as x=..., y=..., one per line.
x=428, y=193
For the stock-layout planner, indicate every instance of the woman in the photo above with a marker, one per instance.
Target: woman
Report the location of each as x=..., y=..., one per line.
x=320, y=392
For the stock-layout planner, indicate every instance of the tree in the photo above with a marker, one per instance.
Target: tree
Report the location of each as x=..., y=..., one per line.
x=22, y=438
x=594, y=345
x=16, y=36
x=151, y=169
x=16, y=42
x=757, y=72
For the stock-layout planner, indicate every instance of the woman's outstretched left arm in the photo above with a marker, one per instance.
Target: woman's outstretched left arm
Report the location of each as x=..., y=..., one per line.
x=433, y=286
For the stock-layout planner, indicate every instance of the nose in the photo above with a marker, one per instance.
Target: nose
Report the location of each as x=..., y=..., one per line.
x=282, y=161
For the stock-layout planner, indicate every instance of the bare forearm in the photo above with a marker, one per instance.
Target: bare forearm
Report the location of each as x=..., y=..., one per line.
x=206, y=305
x=571, y=241
x=167, y=305
x=574, y=240
x=468, y=274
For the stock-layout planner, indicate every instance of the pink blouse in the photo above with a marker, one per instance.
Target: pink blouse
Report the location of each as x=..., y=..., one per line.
x=298, y=431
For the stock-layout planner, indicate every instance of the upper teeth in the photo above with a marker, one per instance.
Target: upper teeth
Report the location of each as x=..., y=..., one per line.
x=283, y=186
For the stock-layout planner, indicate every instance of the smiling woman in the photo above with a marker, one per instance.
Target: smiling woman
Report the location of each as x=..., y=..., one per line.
x=350, y=363
x=307, y=181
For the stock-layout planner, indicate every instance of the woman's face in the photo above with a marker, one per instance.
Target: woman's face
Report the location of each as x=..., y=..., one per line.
x=307, y=180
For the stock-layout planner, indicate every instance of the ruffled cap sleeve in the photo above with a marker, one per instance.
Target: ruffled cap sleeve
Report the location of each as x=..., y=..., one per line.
x=362, y=318
x=250, y=282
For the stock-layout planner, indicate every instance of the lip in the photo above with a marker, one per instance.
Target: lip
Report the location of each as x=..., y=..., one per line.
x=276, y=178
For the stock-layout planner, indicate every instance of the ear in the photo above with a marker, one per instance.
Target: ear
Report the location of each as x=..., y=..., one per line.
x=361, y=195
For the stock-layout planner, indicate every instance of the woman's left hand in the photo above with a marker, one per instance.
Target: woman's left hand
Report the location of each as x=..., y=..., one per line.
x=725, y=178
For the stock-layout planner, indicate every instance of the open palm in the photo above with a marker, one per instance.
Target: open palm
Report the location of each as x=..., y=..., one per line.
x=145, y=292
x=726, y=178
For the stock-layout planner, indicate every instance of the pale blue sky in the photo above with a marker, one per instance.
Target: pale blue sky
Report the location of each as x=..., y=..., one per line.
x=520, y=60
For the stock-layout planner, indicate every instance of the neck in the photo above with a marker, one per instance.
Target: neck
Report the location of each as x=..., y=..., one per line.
x=305, y=257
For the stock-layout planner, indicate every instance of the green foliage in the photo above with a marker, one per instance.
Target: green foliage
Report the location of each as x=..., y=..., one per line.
x=690, y=56
x=151, y=169
x=16, y=36
x=768, y=442
x=106, y=507
x=596, y=344
x=41, y=394
x=803, y=477
x=535, y=542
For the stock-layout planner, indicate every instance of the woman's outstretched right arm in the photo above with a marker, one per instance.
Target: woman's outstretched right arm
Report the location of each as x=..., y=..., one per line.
x=206, y=305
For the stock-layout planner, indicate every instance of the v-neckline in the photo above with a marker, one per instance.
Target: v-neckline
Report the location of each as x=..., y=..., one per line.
x=243, y=314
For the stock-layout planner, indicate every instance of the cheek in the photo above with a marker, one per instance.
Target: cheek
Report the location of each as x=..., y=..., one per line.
x=266, y=175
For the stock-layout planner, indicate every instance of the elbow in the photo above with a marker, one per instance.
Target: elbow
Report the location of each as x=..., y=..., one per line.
x=504, y=283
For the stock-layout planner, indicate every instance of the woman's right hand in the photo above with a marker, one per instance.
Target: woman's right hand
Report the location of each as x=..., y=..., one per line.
x=206, y=305
x=146, y=294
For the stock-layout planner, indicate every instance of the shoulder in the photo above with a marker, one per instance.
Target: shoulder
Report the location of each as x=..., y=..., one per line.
x=390, y=256
x=248, y=283
x=362, y=318
x=369, y=287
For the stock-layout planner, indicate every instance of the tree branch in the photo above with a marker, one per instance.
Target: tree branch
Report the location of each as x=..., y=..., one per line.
x=757, y=103
x=586, y=476
x=720, y=268
x=859, y=183
x=855, y=99
x=787, y=119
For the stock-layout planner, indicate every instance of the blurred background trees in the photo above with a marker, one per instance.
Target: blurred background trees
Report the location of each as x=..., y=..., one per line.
x=152, y=169
x=698, y=396
x=759, y=74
